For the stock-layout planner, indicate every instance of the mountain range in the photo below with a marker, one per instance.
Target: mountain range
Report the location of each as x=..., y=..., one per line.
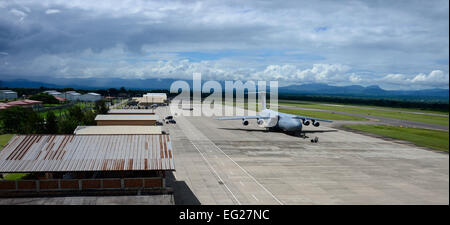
x=373, y=91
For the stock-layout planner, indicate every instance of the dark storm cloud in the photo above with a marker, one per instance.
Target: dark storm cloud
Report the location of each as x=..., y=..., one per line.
x=156, y=38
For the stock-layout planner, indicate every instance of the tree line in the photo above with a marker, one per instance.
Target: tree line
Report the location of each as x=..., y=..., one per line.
x=19, y=120
x=436, y=106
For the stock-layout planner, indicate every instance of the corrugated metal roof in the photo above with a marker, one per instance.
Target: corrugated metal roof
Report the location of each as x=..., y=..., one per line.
x=61, y=153
x=118, y=130
x=126, y=117
x=124, y=111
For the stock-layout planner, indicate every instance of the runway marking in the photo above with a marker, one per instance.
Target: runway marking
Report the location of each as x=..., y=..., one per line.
x=192, y=128
x=245, y=171
x=255, y=197
x=214, y=171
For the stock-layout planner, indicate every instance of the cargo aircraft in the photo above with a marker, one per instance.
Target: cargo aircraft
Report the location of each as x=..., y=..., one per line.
x=277, y=121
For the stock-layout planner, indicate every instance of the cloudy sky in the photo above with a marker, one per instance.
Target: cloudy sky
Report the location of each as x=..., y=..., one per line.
x=393, y=44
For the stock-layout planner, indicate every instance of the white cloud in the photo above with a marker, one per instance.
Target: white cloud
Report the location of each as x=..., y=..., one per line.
x=398, y=43
x=19, y=14
x=52, y=11
x=435, y=79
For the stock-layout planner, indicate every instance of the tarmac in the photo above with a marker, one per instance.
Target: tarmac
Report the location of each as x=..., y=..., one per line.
x=223, y=162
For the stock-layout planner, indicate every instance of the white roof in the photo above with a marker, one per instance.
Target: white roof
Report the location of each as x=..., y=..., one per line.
x=118, y=130
x=73, y=93
x=53, y=92
x=92, y=93
x=7, y=91
x=156, y=94
x=125, y=111
x=126, y=117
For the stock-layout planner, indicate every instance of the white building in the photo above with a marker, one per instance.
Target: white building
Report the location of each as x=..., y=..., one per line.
x=72, y=96
x=55, y=93
x=90, y=97
x=153, y=98
x=8, y=94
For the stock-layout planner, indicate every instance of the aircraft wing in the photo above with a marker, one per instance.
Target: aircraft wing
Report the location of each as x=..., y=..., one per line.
x=242, y=117
x=309, y=118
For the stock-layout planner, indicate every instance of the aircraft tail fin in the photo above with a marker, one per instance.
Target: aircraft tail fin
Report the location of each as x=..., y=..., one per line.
x=263, y=100
x=262, y=97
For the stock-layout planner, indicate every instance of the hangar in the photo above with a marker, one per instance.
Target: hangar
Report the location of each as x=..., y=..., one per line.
x=142, y=120
x=86, y=162
x=132, y=111
x=118, y=130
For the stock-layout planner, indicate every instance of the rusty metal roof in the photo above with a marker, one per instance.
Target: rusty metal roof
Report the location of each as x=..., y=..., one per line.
x=60, y=153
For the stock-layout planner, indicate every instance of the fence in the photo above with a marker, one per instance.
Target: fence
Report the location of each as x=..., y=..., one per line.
x=82, y=184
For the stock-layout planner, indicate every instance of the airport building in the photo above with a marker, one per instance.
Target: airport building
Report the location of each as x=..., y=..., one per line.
x=139, y=120
x=80, y=163
x=72, y=96
x=151, y=98
x=7, y=94
x=131, y=112
x=118, y=130
x=90, y=97
x=54, y=93
x=27, y=103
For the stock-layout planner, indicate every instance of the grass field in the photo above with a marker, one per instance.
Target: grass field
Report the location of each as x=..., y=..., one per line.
x=4, y=138
x=322, y=115
x=439, y=120
x=417, y=110
x=59, y=112
x=310, y=113
x=433, y=139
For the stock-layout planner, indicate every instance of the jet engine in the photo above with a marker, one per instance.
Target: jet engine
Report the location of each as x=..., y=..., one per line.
x=306, y=122
x=316, y=124
x=260, y=122
x=245, y=122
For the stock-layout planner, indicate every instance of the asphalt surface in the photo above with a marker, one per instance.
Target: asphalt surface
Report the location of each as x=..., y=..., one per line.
x=223, y=162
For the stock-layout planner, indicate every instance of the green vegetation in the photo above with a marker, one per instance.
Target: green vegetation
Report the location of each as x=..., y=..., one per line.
x=412, y=102
x=100, y=107
x=63, y=111
x=21, y=120
x=322, y=115
x=318, y=104
x=15, y=176
x=60, y=121
x=45, y=98
x=51, y=125
x=440, y=120
x=422, y=137
x=57, y=112
x=4, y=138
